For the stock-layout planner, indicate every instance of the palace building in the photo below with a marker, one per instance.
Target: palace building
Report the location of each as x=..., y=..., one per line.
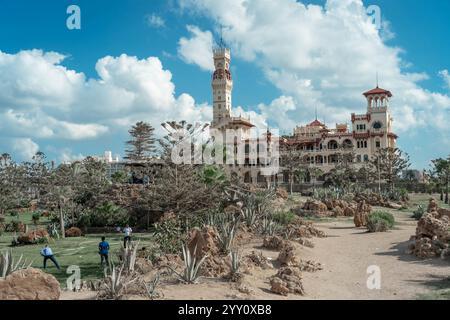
x=367, y=133
x=318, y=145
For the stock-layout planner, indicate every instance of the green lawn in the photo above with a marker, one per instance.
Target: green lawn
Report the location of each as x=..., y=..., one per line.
x=70, y=251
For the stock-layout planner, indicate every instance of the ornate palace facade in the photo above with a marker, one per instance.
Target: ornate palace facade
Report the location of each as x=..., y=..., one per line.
x=318, y=145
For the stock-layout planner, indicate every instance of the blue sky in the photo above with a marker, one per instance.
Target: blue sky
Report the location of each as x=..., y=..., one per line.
x=286, y=62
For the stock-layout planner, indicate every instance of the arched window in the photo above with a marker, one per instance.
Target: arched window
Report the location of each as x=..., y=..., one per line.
x=332, y=145
x=247, y=177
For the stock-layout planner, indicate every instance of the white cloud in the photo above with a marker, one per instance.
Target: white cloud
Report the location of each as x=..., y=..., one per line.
x=76, y=108
x=66, y=155
x=446, y=77
x=155, y=21
x=197, y=49
x=25, y=147
x=324, y=57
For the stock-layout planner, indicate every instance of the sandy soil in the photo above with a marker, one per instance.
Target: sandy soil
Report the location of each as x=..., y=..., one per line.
x=345, y=254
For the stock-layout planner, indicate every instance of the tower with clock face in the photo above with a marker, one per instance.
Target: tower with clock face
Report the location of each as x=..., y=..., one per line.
x=222, y=85
x=379, y=119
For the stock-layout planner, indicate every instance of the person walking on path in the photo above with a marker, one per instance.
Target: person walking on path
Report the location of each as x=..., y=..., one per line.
x=127, y=235
x=103, y=248
x=47, y=253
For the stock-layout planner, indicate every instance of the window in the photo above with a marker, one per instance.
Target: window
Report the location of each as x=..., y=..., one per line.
x=366, y=158
x=358, y=158
x=220, y=98
x=365, y=144
x=377, y=125
x=378, y=144
x=360, y=127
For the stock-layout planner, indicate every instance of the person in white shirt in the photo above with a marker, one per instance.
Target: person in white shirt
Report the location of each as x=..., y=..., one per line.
x=127, y=235
x=47, y=253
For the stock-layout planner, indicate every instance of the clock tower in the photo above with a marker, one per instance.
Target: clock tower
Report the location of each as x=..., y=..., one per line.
x=222, y=85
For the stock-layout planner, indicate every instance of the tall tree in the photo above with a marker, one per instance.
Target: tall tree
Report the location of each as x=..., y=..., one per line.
x=441, y=172
x=389, y=163
x=13, y=180
x=292, y=163
x=142, y=142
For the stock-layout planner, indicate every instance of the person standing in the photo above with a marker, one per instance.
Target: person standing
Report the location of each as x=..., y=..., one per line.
x=47, y=253
x=103, y=248
x=127, y=235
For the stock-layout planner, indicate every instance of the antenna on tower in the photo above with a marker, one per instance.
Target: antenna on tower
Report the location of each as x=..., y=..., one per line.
x=316, y=112
x=377, y=79
x=221, y=42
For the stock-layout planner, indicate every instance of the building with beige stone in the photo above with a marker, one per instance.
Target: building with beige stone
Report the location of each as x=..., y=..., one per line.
x=318, y=145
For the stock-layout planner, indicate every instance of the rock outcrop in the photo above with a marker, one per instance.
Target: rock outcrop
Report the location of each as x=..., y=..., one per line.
x=33, y=237
x=432, y=233
x=287, y=280
x=29, y=284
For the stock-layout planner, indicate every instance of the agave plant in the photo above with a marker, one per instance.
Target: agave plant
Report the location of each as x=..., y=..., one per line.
x=192, y=266
x=113, y=283
x=249, y=215
x=235, y=262
x=268, y=226
x=227, y=233
x=150, y=287
x=9, y=265
x=128, y=256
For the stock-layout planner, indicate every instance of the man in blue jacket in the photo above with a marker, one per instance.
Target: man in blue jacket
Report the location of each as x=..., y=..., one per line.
x=47, y=253
x=103, y=248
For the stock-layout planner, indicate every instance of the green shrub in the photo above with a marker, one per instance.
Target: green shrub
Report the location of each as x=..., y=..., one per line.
x=14, y=226
x=35, y=217
x=14, y=214
x=417, y=214
x=380, y=221
x=169, y=235
x=284, y=217
x=106, y=215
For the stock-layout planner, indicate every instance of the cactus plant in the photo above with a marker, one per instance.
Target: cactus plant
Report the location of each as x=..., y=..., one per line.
x=192, y=266
x=227, y=233
x=249, y=215
x=9, y=265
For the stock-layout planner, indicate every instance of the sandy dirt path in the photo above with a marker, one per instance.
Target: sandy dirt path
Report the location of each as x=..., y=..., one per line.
x=347, y=252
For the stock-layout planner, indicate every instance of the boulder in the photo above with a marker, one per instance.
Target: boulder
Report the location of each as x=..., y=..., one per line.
x=32, y=237
x=257, y=259
x=74, y=232
x=338, y=212
x=29, y=284
x=273, y=242
x=287, y=280
x=443, y=212
x=432, y=235
x=287, y=255
x=315, y=205
x=349, y=212
x=143, y=266
x=432, y=205
x=204, y=241
x=361, y=214
x=282, y=193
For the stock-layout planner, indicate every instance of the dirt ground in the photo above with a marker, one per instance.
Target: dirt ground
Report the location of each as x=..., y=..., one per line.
x=346, y=254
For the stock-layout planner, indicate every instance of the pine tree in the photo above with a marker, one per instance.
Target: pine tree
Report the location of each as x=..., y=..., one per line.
x=142, y=143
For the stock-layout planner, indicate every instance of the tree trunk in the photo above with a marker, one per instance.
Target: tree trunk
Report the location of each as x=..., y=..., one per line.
x=291, y=184
x=446, y=192
x=61, y=222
